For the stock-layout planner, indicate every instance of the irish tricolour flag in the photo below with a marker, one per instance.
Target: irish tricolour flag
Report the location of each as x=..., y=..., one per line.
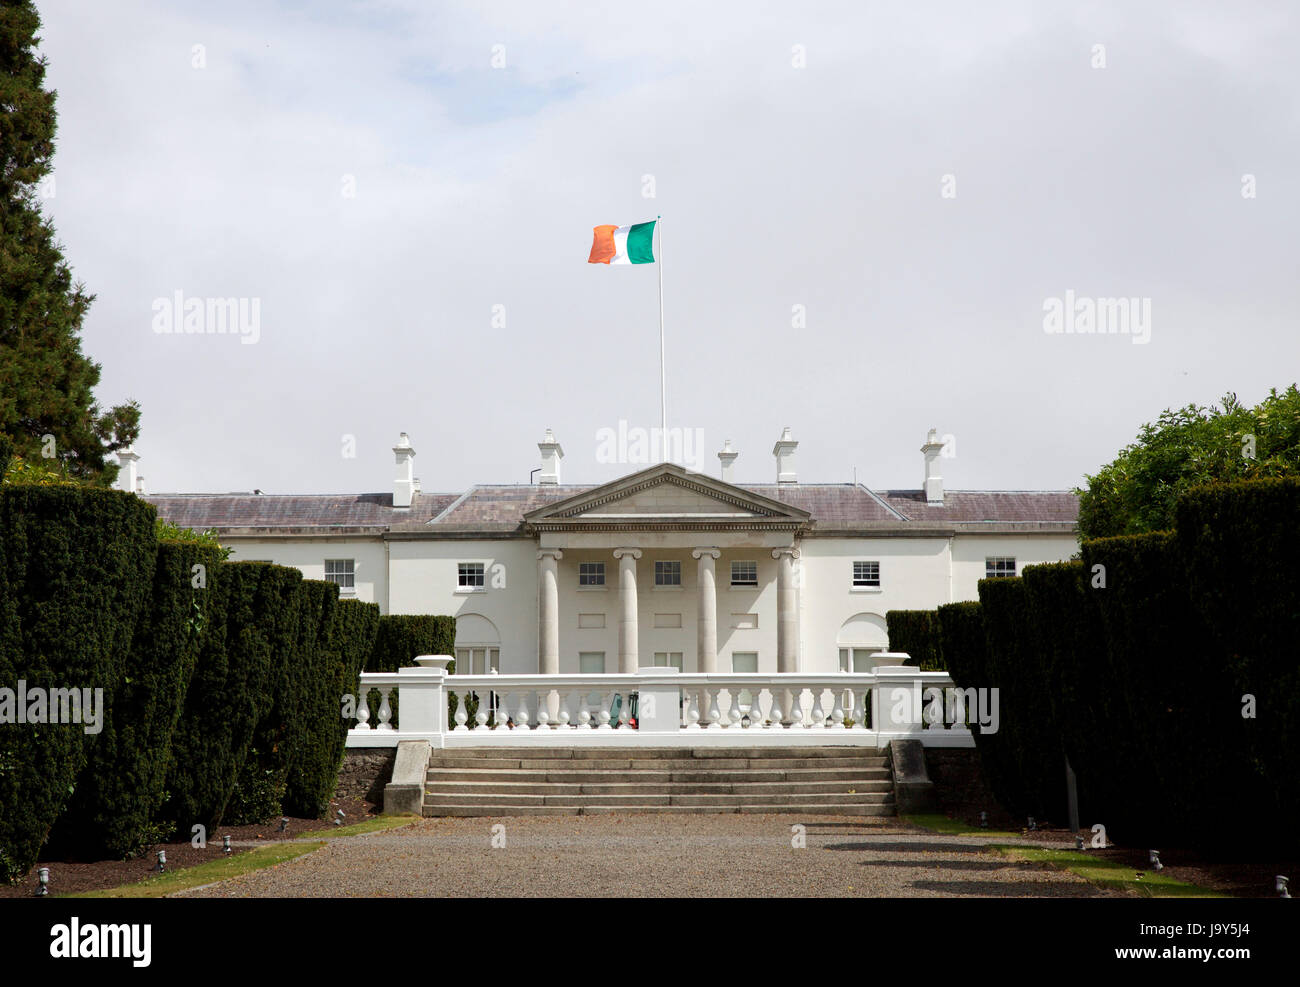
x=623, y=244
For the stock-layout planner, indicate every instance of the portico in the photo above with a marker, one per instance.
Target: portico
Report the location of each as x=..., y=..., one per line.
x=668, y=533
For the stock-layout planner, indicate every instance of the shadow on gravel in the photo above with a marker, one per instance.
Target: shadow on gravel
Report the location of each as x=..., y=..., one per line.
x=883, y=846
x=961, y=865
x=1010, y=889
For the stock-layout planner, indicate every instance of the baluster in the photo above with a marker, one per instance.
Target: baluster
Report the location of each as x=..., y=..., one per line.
x=363, y=710
x=859, y=711
x=796, y=707
x=715, y=714
x=774, y=715
x=481, y=716
x=521, y=715
x=602, y=715
x=584, y=711
x=690, y=710
x=755, y=709
x=565, y=716
x=734, y=715
x=625, y=712
x=385, y=711
x=817, y=717
x=837, y=710
x=503, y=710
x=461, y=714
x=543, y=709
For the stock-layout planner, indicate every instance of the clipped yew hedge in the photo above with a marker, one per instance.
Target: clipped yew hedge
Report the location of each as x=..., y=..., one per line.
x=917, y=633
x=121, y=789
x=965, y=647
x=401, y=638
x=314, y=772
x=75, y=570
x=1016, y=669
x=1240, y=544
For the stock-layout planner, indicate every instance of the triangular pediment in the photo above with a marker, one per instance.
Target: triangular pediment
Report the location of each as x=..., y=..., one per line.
x=666, y=494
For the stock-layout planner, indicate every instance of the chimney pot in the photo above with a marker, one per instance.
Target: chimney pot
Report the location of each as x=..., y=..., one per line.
x=552, y=453
x=784, y=453
x=128, y=476
x=933, y=480
x=404, y=486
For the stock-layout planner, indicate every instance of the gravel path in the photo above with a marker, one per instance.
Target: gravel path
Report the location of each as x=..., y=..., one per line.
x=654, y=856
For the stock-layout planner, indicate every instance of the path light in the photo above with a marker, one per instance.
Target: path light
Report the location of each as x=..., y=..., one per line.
x=338, y=820
x=984, y=820
x=161, y=868
x=1154, y=857
x=1279, y=884
x=284, y=823
x=1033, y=824
x=43, y=876
x=225, y=845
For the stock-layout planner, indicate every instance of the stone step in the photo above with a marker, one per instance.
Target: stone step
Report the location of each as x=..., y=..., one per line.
x=726, y=777
x=670, y=753
x=442, y=798
x=805, y=809
x=754, y=789
x=448, y=761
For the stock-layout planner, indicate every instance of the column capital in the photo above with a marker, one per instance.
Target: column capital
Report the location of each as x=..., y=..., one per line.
x=700, y=552
x=620, y=552
x=789, y=550
x=554, y=553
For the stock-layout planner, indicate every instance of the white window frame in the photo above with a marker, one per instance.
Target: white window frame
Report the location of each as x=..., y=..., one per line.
x=670, y=565
x=346, y=579
x=464, y=569
x=994, y=566
x=593, y=572
x=745, y=583
x=863, y=583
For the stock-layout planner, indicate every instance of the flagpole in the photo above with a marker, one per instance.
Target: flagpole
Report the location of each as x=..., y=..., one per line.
x=663, y=385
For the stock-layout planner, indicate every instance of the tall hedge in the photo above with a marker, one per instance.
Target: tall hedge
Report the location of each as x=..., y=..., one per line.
x=401, y=638
x=314, y=773
x=917, y=633
x=75, y=569
x=1083, y=686
x=6, y=454
x=111, y=814
x=1241, y=546
x=1017, y=670
x=965, y=647
x=228, y=696
x=278, y=736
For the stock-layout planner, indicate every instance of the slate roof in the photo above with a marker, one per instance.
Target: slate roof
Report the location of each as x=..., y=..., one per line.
x=500, y=509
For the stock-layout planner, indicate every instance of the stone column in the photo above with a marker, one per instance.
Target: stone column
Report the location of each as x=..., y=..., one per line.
x=627, y=599
x=548, y=611
x=706, y=623
x=787, y=611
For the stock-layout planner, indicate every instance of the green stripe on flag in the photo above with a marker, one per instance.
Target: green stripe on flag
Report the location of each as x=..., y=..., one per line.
x=640, y=243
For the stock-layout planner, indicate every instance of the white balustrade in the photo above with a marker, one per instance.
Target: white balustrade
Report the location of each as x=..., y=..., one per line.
x=862, y=708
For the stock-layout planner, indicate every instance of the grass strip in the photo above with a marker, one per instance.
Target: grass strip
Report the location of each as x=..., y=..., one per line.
x=938, y=823
x=208, y=873
x=375, y=825
x=1109, y=873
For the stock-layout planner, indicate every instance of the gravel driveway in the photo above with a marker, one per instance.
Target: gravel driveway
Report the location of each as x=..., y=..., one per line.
x=654, y=856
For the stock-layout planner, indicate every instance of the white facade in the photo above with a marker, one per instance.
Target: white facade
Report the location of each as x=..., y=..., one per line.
x=521, y=567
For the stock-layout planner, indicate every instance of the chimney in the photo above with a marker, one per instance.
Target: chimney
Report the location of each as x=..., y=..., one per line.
x=139, y=486
x=784, y=453
x=728, y=459
x=933, y=481
x=127, y=476
x=551, y=456
x=404, y=486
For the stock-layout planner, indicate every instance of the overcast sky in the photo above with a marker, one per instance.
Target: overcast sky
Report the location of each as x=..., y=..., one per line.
x=367, y=174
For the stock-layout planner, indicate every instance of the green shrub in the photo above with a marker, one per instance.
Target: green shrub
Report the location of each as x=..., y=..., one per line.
x=1016, y=669
x=75, y=568
x=1241, y=548
x=6, y=453
x=401, y=639
x=916, y=632
x=122, y=786
x=278, y=735
x=314, y=774
x=228, y=696
x=965, y=648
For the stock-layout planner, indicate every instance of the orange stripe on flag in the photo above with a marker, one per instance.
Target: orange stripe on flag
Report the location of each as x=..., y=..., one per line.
x=602, y=245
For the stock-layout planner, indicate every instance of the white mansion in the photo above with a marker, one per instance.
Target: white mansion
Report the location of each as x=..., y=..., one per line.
x=663, y=567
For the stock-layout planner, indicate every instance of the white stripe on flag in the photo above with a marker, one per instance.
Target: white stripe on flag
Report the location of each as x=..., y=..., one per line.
x=620, y=246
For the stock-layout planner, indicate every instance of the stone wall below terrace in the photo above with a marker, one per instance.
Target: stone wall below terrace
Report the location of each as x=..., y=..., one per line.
x=364, y=774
